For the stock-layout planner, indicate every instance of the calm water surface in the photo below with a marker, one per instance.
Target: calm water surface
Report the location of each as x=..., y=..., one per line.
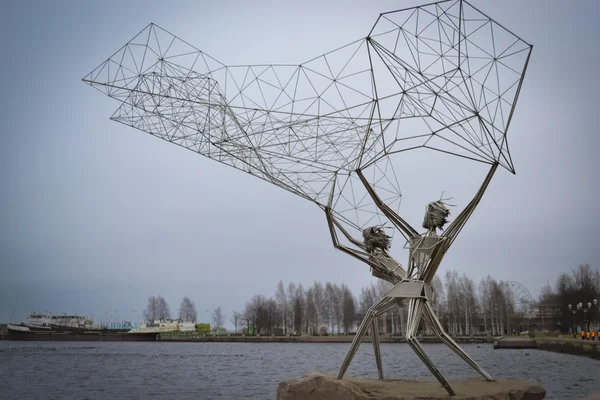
x=52, y=370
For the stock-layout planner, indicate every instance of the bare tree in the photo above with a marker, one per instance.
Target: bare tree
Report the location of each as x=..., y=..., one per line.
x=299, y=305
x=493, y=300
x=271, y=315
x=338, y=311
x=453, y=302
x=255, y=313
x=187, y=310
x=150, y=312
x=547, y=295
x=333, y=306
x=349, y=309
x=546, y=302
x=320, y=307
x=498, y=306
x=469, y=301
x=585, y=282
x=291, y=296
x=218, y=319
x=382, y=287
x=484, y=300
x=249, y=316
x=162, y=308
x=581, y=286
x=439, y=295
x=282, y=302
x=311, y=311
x=368, y=297
x=157, y=309
x=236, y=319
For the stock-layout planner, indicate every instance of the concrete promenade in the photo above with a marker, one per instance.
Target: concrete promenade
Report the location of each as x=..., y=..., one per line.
x=578, y=347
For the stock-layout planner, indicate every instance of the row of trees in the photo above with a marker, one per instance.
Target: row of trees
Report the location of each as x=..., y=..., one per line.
x=466, y=308
x=332, y=308
x=582, y=285
x=463, y=306
x=318, y=309
x=158, y=309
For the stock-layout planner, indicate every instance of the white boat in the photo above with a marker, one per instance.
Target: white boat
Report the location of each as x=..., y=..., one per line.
x=47, y=322
x=157, y=327
x=18, y=328
x=39, y=322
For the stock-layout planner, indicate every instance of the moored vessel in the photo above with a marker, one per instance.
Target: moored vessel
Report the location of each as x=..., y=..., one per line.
x=77, y=328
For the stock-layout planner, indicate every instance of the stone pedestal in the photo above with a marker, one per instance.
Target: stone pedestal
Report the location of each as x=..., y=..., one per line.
x=323, y=387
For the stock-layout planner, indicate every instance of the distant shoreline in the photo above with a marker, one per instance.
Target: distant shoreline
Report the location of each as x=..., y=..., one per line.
x=224, y=338
x=575, y=347
x=312, y=339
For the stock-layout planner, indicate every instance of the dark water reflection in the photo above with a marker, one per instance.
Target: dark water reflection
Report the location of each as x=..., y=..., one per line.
x=44, y=370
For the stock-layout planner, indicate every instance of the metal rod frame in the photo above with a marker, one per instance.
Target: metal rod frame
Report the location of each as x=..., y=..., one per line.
x=304, y=127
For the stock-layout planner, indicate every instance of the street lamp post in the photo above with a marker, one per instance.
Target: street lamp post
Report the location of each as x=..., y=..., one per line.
x=589, y=304
x=597, y=320
x=579, y=307
x=573, y=326
x=586, y=322
x=585, y=317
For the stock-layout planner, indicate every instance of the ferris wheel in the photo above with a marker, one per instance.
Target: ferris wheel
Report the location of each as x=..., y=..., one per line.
x=517, y=297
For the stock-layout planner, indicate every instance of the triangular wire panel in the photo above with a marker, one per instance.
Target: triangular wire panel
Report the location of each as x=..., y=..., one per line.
x=440, y=77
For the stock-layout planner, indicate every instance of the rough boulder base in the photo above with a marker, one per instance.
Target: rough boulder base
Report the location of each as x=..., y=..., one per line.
x=323, y=387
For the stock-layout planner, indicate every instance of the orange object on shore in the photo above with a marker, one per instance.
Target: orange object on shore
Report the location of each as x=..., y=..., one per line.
x=582, y=334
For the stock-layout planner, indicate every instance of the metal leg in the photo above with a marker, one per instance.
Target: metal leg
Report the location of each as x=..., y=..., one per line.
x=439, y=331
x=362, y=330
x=393, y=303
x=376, y=348
x=415, y=312
x=360, y=334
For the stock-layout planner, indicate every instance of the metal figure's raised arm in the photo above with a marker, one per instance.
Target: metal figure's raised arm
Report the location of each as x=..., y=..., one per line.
x=383, y=266
x=455, y=226
x=332, y=223
x=404, y=227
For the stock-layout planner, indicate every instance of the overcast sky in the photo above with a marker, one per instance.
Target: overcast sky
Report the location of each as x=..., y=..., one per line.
x=97, y=216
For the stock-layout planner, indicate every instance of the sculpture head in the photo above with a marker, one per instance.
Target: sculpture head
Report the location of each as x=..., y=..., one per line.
x=374, y=239
x=436, y=216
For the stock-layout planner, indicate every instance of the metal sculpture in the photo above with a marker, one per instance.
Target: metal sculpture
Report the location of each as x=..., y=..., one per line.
x=442, y=77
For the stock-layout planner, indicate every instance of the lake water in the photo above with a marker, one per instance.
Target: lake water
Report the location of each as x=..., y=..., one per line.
x=119, y=370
